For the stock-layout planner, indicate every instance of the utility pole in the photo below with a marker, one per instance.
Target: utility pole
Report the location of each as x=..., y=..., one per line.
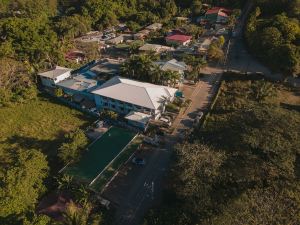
x=152, y=190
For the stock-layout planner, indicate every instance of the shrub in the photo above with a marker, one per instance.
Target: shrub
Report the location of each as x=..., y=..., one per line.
x=172, y=108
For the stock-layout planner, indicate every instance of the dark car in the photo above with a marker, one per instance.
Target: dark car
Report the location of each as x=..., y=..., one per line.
x=138, y=161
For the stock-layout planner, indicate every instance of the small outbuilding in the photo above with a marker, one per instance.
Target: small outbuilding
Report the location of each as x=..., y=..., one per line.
x=138, y=119
x=52, y=77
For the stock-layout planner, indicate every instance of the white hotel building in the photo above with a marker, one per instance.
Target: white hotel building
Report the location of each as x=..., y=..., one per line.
x=123, y=96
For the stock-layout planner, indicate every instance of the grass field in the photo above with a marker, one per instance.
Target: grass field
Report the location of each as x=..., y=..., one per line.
x=39, y=124
x=100, y=154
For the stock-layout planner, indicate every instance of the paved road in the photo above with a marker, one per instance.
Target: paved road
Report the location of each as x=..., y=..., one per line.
x=201, y=97
x=137, y=188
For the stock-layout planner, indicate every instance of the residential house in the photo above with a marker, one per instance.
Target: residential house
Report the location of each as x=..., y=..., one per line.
x=141, y=35
x=183, y=19
x=217, y=15
x=204, y=46
x=75, y=56
x=173, y=65
x=124, y=95
x=154, y=27
x=114, y=41
x=184, y=50
x=155, y=48
x=54, y=76
x=178, y=39
x=92, y=36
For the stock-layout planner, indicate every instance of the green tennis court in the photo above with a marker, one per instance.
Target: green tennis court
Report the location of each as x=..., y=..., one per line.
x=100, y=154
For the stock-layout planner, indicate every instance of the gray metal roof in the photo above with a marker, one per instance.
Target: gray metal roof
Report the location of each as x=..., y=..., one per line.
x=54, y=73
x=138, y=93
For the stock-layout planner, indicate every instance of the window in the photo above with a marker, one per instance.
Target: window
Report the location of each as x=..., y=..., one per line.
x=105, y=104
x=113, y=106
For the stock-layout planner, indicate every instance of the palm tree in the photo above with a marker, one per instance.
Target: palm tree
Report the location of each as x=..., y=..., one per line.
x=262, y=90
x=81, y=215
x=76, y=215
x=82, y=195
x=65, y=182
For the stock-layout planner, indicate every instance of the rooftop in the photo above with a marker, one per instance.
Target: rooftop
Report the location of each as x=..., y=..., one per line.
x=204, y=46
x=108, y=66
x=138, y=117
x=79, y=83
x=179, y=37
x=56, y=72
x=172, y=65
x=154, y=26
x=155, y=47
x=135, y=92
x=218, y=10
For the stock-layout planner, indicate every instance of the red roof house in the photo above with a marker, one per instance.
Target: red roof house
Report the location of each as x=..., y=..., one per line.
x=178, y=39
x=217, y=15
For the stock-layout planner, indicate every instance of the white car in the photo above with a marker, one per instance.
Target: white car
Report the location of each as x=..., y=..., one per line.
x=166, y=121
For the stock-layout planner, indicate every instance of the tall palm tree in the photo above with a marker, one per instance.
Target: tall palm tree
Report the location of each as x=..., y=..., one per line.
x=262, y=90
x=75, y=215
x=65, y=182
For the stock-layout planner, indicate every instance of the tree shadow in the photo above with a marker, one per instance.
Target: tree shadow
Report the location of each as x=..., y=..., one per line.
x=290, y=107
x=47, y=147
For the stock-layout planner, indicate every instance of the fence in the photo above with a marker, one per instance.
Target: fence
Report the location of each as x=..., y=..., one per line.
x=72, y=104
x=212, y=105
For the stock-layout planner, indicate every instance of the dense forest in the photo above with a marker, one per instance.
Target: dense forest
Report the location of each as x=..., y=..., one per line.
x=242, y=166
x=273, y=35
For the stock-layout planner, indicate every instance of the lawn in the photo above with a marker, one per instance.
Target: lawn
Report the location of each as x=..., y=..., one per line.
x=39, y=124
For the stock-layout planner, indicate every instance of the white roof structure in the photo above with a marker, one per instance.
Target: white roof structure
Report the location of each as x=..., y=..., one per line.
x=172, y=65
x=154, y=26
x=78, y=83
x=205, y=44
x=138, y=93
x=138, y=117
x=55, y=72
x=155, y=48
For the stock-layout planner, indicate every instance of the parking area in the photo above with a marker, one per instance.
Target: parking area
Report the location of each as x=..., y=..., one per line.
x=135, y=186
x=121, y=185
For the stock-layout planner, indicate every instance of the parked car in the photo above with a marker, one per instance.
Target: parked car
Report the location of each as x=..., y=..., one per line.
x=166, y=121
x=151, y=141
x=138, y=161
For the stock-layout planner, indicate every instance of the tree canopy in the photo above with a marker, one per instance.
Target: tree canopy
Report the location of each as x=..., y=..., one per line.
x=273, y=33
x=21, y=181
